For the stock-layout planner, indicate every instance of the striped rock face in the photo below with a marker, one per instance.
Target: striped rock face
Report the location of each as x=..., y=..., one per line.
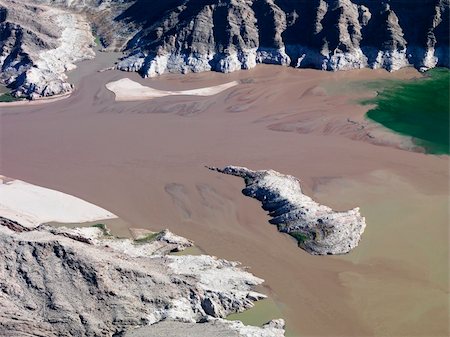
x=183, y=36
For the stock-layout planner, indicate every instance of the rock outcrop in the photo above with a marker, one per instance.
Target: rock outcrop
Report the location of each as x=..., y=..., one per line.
x=318, y=229
x=84, y=282
x=38, y=44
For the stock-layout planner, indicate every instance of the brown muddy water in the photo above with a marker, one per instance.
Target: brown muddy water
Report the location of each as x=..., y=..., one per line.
x=144, y=161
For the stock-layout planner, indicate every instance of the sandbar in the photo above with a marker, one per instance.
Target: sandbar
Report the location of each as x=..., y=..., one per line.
x=32, y=205
x=126, y=89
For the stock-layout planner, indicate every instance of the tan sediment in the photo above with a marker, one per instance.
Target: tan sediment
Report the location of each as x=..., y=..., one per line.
x=32, y=205
x=128, y=90
x=144, y=162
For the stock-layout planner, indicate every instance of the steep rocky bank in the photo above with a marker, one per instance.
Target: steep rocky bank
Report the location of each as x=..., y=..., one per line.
x=38, y=44
x=40, y=40
x=84, y=282
x=317, y=228
x=182, y=36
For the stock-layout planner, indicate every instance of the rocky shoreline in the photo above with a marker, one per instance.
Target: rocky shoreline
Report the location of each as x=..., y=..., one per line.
x=338, y=35
x=85, y=282
x=335, y=35
x=39, y=44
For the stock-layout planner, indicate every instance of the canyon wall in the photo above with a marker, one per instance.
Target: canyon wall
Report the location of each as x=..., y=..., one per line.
x=183, y=36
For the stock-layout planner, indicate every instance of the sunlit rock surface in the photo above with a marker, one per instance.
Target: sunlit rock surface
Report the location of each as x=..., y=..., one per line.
x=84, y=282
x=318, y=229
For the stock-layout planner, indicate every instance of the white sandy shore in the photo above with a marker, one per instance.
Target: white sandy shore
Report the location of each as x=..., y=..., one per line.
x=31, y=205
x=129, y=90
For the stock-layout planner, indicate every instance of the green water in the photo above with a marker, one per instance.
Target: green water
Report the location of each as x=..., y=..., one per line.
x=262, y=312
x=417, y=108
x=194, y=250
x=7, y=98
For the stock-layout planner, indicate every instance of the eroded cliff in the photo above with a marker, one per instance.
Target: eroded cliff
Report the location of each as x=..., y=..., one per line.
x=84, y=282
x=182, y=36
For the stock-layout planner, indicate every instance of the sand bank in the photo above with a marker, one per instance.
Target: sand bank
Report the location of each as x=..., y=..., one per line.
x=32, y=205
x=145, y=160
x=129, y=90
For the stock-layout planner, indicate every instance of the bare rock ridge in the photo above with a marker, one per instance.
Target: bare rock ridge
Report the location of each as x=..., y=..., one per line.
x=84, y=282
x=40, y=39
x=38, y=44
x=318, y=229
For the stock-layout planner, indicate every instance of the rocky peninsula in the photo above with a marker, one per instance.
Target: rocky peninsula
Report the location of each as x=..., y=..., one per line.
x=86, y=282
x=38, y=44
x=317, y=228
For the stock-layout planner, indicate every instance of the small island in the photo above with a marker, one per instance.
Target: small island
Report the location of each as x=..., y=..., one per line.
x=318, y=229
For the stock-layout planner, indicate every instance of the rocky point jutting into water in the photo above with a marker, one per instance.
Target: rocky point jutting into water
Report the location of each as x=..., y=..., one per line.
x=41, y=39
x=85, y=282
x=58, y=281
x=318, y=229
x=38, y=44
